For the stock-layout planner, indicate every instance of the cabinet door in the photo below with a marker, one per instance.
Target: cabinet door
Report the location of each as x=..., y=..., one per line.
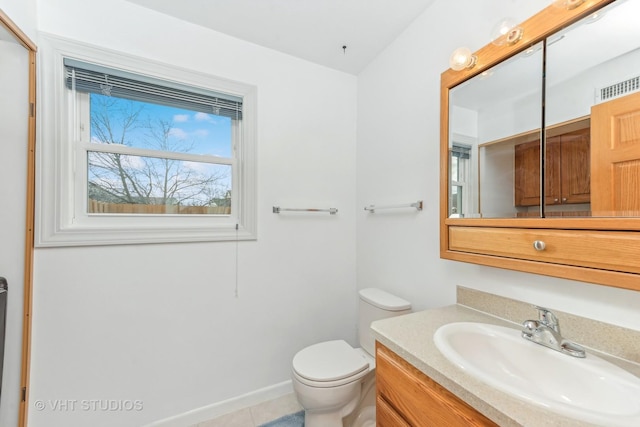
x=414, y=398
x=575, y=167
x=553, y=183
x=567, y=170
x=527, y=174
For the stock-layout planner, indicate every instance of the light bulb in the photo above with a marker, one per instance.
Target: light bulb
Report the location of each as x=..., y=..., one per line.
x=506, y=31
x=462, y=58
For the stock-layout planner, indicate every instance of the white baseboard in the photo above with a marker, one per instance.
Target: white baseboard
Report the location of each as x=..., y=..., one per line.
x=215, y=410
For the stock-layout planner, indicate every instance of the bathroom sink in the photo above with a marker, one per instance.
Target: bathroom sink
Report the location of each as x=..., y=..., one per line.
x=589, y=389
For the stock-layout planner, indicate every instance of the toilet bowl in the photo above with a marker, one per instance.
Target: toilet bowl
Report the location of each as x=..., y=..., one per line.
x=366, y=417
x=334, y=382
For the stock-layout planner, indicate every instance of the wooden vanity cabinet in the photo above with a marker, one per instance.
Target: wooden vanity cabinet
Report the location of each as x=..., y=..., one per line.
x=407, y=397
x=568, y=171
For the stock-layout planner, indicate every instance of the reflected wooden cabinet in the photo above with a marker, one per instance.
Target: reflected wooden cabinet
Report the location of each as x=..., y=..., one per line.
x=567, y=175
x=572, y=180
x=407, y=397
x=527, y=174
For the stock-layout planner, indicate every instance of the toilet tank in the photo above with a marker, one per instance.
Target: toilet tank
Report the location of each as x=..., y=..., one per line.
x=376, y=304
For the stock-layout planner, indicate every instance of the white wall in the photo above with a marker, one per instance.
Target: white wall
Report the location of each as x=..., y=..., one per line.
x=160, y=323
x=574, y=97
x=497, y=180
x=23, y=14
x=397, y=158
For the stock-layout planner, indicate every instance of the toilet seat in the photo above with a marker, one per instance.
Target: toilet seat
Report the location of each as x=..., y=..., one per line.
x=329, y=364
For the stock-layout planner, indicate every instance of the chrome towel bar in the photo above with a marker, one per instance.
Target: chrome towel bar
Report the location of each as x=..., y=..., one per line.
x=278, y=209
x=373, y=208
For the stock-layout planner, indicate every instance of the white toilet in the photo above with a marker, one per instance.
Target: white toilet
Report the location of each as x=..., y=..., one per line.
x=334, y=381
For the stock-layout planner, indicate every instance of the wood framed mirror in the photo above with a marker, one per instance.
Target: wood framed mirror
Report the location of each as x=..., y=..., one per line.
x=539, y=172
x=17, y=145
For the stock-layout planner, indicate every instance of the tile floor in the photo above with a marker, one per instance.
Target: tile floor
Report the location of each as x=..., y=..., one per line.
x=256, y=415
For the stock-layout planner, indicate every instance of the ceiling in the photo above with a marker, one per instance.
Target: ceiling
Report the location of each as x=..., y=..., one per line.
x=314, y=30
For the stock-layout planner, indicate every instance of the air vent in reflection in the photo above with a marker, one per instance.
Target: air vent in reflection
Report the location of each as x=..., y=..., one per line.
x=618, y=89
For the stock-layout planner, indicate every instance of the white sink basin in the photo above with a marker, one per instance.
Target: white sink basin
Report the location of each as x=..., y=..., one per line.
x=589, y=389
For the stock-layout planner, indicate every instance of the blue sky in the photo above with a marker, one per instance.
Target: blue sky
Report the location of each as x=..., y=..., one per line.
x=188, y=132
x=205, y=133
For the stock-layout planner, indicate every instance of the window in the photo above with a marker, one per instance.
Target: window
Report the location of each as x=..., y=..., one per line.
x=460, y=171
x=142, y=152
x=151, y=149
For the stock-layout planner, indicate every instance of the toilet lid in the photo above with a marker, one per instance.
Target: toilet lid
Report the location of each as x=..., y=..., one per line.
x=329, y=361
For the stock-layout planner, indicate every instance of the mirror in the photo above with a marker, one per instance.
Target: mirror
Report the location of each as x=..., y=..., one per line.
x=17, y=166
x=489, y=114
x=495, y=121
x=593, y=69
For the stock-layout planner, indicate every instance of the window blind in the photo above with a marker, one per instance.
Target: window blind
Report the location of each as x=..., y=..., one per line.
x=461, y=151
x=94, y=78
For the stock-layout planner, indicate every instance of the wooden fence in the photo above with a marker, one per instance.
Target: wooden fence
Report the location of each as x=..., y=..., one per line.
x=130, y=208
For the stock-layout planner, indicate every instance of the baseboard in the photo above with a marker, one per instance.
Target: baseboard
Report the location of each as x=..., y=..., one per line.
x=215, y=410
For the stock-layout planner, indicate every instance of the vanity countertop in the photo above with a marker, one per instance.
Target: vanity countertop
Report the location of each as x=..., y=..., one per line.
x=411, y=337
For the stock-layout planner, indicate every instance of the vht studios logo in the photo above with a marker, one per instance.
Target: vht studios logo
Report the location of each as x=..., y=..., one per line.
x=95, y=405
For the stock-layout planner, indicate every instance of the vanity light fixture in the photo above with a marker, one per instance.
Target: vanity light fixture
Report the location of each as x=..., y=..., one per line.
x=462, y=58
x=506, y=31
x=514, y=35
x=568, y=4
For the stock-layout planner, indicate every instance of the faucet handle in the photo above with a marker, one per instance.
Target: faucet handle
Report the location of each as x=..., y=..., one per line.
x=548, y=318
x=529, y=327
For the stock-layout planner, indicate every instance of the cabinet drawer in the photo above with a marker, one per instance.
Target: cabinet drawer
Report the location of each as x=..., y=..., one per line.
x=606, y=250
x=418, y=399
x=386, y=416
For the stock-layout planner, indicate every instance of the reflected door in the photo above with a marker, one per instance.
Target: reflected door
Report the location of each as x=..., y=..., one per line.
x=615, y=160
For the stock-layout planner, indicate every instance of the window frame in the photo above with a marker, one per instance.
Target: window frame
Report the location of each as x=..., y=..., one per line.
x=465, y=171
x=61, y=214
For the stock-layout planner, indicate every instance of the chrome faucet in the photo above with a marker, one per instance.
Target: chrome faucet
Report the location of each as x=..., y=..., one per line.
x=546, y=331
